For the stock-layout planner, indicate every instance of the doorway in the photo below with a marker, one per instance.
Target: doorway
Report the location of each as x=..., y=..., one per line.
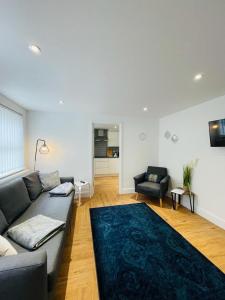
x=106, y=154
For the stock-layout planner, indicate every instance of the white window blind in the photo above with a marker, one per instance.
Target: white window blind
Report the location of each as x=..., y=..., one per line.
x=11, y=142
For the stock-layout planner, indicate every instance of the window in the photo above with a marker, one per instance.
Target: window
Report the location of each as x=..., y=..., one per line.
x=11, y=142
x=222, y=127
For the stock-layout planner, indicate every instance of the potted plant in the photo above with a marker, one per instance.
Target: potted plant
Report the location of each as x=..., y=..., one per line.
x=187, y=175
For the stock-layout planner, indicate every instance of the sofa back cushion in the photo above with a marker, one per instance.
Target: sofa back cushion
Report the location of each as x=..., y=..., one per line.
x=14, y=199
x=33, y=185
x=3, y=223
x=49, y=180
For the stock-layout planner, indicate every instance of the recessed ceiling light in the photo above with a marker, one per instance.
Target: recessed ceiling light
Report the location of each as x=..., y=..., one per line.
x=198, y=77
x=61, y=102
x=35, y=49
x=145, y=109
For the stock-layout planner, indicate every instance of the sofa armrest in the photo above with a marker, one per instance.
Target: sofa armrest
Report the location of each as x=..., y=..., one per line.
x=67, y=179
x=24, y=276
x=164, y=183
x=139, y=178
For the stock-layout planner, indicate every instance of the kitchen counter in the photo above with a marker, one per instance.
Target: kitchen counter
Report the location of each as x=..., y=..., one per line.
x=106, y=165
x=104, y=157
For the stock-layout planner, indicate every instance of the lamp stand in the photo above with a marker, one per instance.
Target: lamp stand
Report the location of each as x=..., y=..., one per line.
x=35, y=156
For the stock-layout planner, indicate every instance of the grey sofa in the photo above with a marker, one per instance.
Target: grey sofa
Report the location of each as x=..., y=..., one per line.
x=152, y=189
x=31, y=275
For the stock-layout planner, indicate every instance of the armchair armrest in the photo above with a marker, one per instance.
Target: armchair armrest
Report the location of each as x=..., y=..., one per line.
x=164, y=183
x=24, y=276
x=67, y=179
x=139, y=178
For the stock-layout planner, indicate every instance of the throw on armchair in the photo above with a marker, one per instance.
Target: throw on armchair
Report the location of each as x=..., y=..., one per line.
x=153, y=183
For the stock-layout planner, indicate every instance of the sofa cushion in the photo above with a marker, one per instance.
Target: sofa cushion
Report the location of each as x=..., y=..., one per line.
x=49, y=180
x=54, y=207
x=6, y=248
x=14, y=199
x=3, y=222
x=33, y=184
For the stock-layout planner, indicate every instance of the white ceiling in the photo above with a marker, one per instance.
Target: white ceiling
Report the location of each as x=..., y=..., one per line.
x=113, y=56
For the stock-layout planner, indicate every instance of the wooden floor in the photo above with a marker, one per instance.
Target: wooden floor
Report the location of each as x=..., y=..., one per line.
x=77, y=278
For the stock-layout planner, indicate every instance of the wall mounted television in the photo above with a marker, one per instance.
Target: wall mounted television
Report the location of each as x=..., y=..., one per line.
x=217, y=133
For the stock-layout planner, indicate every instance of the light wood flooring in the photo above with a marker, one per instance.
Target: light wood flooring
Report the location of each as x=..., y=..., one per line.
x=77, y=276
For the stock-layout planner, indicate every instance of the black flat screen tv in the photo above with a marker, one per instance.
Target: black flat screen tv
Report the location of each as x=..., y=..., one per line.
x=217, y=133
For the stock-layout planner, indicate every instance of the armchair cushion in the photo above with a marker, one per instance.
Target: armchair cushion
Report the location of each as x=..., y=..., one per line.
x=153, y=177
x=149, y=186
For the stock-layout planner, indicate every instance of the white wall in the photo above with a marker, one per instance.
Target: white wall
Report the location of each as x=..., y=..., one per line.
x=69, y=136
x=191, y=126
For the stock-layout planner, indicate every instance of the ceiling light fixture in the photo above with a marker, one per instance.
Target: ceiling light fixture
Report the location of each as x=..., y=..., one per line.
x=35, y=49
x=198, y=77
x=61, y=102
x=145, y=109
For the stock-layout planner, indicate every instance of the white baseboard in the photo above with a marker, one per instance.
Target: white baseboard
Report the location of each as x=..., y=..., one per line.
x=206, y=214
x=211, y=217
x=127, y=191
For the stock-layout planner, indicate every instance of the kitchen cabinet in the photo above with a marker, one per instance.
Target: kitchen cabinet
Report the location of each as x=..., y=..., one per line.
x=106, y=166
x=113, y=165
x=113, y=138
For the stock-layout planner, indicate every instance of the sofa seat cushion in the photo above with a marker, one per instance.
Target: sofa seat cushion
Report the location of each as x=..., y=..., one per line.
x=149, y=187
x=54, y=207
x=3, y=222
x=14, y=199
x=33, y=184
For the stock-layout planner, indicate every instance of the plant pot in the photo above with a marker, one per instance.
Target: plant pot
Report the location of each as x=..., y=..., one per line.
x=186, y=188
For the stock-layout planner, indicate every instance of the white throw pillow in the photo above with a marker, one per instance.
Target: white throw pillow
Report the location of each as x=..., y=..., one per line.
x=49, y=180
x=6, y=248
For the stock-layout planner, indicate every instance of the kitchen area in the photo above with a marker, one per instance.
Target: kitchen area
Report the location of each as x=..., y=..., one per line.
x=106, y=150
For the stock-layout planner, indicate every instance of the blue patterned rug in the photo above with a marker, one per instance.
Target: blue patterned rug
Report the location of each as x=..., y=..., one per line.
x=140, y=257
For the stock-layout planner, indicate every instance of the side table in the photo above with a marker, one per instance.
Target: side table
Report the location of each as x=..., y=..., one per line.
x=79, y=185
x=178, y=193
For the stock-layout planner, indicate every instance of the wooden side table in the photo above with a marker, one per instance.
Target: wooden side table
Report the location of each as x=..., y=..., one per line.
x=178, y=193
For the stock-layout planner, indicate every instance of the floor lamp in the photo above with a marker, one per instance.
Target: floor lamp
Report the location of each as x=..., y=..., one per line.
x=43, y=150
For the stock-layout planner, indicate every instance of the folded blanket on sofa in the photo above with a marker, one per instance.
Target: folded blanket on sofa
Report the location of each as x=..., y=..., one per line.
x=62, y=190
x=34, y=232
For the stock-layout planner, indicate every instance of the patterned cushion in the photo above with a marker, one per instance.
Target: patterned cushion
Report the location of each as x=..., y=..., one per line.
x=153, y=178
x=50, y=180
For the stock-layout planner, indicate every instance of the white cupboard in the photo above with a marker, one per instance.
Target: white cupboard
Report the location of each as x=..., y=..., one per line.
x=113, y=138
x=106, y=166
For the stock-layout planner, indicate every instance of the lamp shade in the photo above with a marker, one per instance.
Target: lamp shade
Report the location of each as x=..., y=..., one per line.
x=44, y=149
